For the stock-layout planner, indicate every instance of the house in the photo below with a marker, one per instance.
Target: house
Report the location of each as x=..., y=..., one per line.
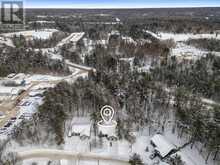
x=162, y=147
x=80, y=127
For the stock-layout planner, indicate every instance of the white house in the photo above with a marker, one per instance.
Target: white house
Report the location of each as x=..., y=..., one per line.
x=80, y=127
x=161, y=145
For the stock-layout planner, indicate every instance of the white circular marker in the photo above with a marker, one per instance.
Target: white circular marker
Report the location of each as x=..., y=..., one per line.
x=107, y=114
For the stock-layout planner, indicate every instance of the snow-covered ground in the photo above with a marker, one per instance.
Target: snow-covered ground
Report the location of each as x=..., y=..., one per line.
x=190, y=156
x=124, y=149
x=184, y=37
x=185, y=51
x=153, y=34
x=79, y=66
x=6, y=41
x=31, y=34
x=41, y=77
x=42, y=22
x=128, y=39
x=182, y=50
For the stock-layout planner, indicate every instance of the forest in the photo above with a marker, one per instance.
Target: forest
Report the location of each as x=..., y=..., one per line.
x=20, y=60
x=169, y=89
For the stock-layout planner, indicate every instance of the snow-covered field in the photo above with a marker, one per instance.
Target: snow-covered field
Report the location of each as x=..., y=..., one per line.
x=31, y=34
x=181, y=36
x=6, y=41
x=42, y=22
x=182, y=50
x=124, y=149
x=185, y=37
x=188, y=52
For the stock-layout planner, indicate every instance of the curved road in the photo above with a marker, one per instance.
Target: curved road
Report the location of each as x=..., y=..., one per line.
x=53, y=154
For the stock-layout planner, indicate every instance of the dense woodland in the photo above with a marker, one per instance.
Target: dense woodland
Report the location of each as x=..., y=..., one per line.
x=20, y=60
x=200, y=77
x=72, y=52
x=207, y=44
x=21, y=42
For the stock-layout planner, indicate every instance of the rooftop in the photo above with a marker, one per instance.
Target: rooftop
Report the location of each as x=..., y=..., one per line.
x=162, y=145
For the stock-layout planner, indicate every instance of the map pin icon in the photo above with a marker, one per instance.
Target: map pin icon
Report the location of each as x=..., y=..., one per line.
x=107, y=114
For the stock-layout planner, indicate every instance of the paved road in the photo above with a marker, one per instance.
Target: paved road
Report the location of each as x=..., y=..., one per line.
x=53, y=154
x=82, y=67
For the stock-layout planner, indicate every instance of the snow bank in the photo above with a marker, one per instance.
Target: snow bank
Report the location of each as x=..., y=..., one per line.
x=153, y=34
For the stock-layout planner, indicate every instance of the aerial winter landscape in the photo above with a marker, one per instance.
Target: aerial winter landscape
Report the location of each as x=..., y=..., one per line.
x=137, y=84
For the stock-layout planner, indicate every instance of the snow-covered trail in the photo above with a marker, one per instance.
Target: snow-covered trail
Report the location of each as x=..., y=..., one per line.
x=53, y=154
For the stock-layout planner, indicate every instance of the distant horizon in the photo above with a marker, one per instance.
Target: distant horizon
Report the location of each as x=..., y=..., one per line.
x=124, y=8
x=122, y=4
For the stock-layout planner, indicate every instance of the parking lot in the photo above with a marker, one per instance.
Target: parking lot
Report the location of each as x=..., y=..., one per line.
x=13, y=111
